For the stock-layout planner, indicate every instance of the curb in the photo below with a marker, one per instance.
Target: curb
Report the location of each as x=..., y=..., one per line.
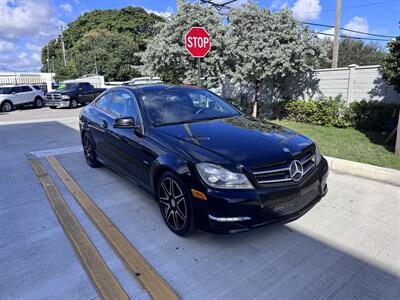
x=385, y=175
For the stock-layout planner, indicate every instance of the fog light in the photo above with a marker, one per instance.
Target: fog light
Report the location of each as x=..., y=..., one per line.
x=229, y=219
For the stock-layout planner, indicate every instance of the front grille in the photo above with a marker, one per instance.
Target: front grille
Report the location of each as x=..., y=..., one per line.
x=294, y=205
x=53, y=97
x=278, y=172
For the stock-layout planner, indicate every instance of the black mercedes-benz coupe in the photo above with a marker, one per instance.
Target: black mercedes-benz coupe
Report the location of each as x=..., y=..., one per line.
x=207, y=165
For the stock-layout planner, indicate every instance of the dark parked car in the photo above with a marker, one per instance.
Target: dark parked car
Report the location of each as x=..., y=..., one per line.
x=72, y=94
x=207, y=165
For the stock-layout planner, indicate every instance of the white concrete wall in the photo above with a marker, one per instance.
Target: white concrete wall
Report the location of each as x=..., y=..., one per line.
x=353, y=83
x=8, y=78
x=97, y=81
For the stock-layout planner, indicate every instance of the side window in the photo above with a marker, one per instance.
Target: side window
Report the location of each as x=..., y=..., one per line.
x=26, y=88
x=104, y=102
x=123, y=105
x=87, y=87
x=16, y=89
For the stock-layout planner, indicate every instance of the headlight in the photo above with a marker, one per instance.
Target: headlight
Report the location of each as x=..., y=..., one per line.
x=219, y=177
x=317, y=155
x=66, y=97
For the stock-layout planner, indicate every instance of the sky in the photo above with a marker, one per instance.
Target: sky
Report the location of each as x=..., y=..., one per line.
x=27, y=25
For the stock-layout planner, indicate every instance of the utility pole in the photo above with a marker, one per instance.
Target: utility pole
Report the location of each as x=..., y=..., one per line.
x=63, y=46
x=335, y=54
x=397, y=148
x=95, y=64
x=48, y=59
x=179, y=4
x=53, y=71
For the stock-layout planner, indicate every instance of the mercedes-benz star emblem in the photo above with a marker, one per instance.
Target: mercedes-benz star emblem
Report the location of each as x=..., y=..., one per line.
x=296, y=170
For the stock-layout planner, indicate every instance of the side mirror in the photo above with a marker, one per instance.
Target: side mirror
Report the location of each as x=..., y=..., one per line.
x=80, y=89
x=13, y=93
x=125, y=122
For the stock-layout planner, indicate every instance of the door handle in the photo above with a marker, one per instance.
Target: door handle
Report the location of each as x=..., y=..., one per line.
x=103, y=124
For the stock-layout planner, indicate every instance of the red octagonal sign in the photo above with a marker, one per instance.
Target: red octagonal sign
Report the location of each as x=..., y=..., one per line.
x=197, y=41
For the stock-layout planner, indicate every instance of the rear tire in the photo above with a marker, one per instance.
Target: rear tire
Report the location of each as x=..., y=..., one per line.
x=38, y=102
x=175, y=204
x=89, y=151
x=6, y=106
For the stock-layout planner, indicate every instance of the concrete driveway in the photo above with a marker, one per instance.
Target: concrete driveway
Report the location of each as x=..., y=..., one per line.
x=347, y=247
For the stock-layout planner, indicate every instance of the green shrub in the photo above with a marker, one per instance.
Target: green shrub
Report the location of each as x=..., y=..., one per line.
x=365, y=115
x=375, y=115
x=325, y=112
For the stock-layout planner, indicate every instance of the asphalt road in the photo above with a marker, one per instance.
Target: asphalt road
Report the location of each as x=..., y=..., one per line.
x=347, y=247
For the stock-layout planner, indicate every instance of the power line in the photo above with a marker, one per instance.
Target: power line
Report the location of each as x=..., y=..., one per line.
x=350, y=30
x=393, y=11
x=354, y=6
x=352, y=37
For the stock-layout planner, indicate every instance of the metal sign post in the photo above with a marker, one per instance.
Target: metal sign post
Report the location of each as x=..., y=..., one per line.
x=198, y=71
x=397, y=148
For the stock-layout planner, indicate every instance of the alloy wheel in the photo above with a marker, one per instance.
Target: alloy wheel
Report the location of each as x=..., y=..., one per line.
x=38, y=103
x=6, y=107
x=73, y=103
x=88, y=150
x=173, y=204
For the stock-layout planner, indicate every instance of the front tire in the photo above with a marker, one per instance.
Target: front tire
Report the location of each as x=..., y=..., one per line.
x=175, y=204
x=73, y=103
x=6, y=106
x=38, y=102
x=89, y=151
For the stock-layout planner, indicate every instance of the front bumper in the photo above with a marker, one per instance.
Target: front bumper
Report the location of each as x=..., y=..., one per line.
x=230, y=211
x=57, y=103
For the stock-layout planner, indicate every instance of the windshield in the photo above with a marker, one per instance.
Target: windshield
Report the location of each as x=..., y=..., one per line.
x=185, y=106
x=67, y=86
x=5, y=90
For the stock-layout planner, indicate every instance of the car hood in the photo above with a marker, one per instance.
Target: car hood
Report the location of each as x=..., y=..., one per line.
x=61, y=92
x=242, y=140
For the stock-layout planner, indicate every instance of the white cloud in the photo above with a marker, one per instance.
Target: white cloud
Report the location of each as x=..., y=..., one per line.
x=279, y=4
x=358, y=24
x=306, y=9
x=66, y=7
x=33, y=47
x=23, y=21
x=330, y=31
x=76, y=1
x=234, y=4
x=22, y=62
x=164, y=14
x=25, y=18
x=7, y=46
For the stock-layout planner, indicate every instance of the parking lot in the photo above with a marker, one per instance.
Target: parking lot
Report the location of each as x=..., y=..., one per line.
x=346, y=247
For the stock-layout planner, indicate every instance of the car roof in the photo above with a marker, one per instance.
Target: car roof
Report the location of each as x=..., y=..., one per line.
x=155, y=88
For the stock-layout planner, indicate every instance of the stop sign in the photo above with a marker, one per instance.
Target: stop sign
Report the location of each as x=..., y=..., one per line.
x=197, y=41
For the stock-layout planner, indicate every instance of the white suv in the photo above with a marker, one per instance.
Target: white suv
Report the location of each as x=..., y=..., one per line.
x=19, y=95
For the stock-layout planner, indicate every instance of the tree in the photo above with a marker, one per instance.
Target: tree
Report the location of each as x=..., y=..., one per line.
x=112, y=54
x=355, y=52
x=121, y=33
x=268, y=47
x=391, y=65
x=167, y=57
